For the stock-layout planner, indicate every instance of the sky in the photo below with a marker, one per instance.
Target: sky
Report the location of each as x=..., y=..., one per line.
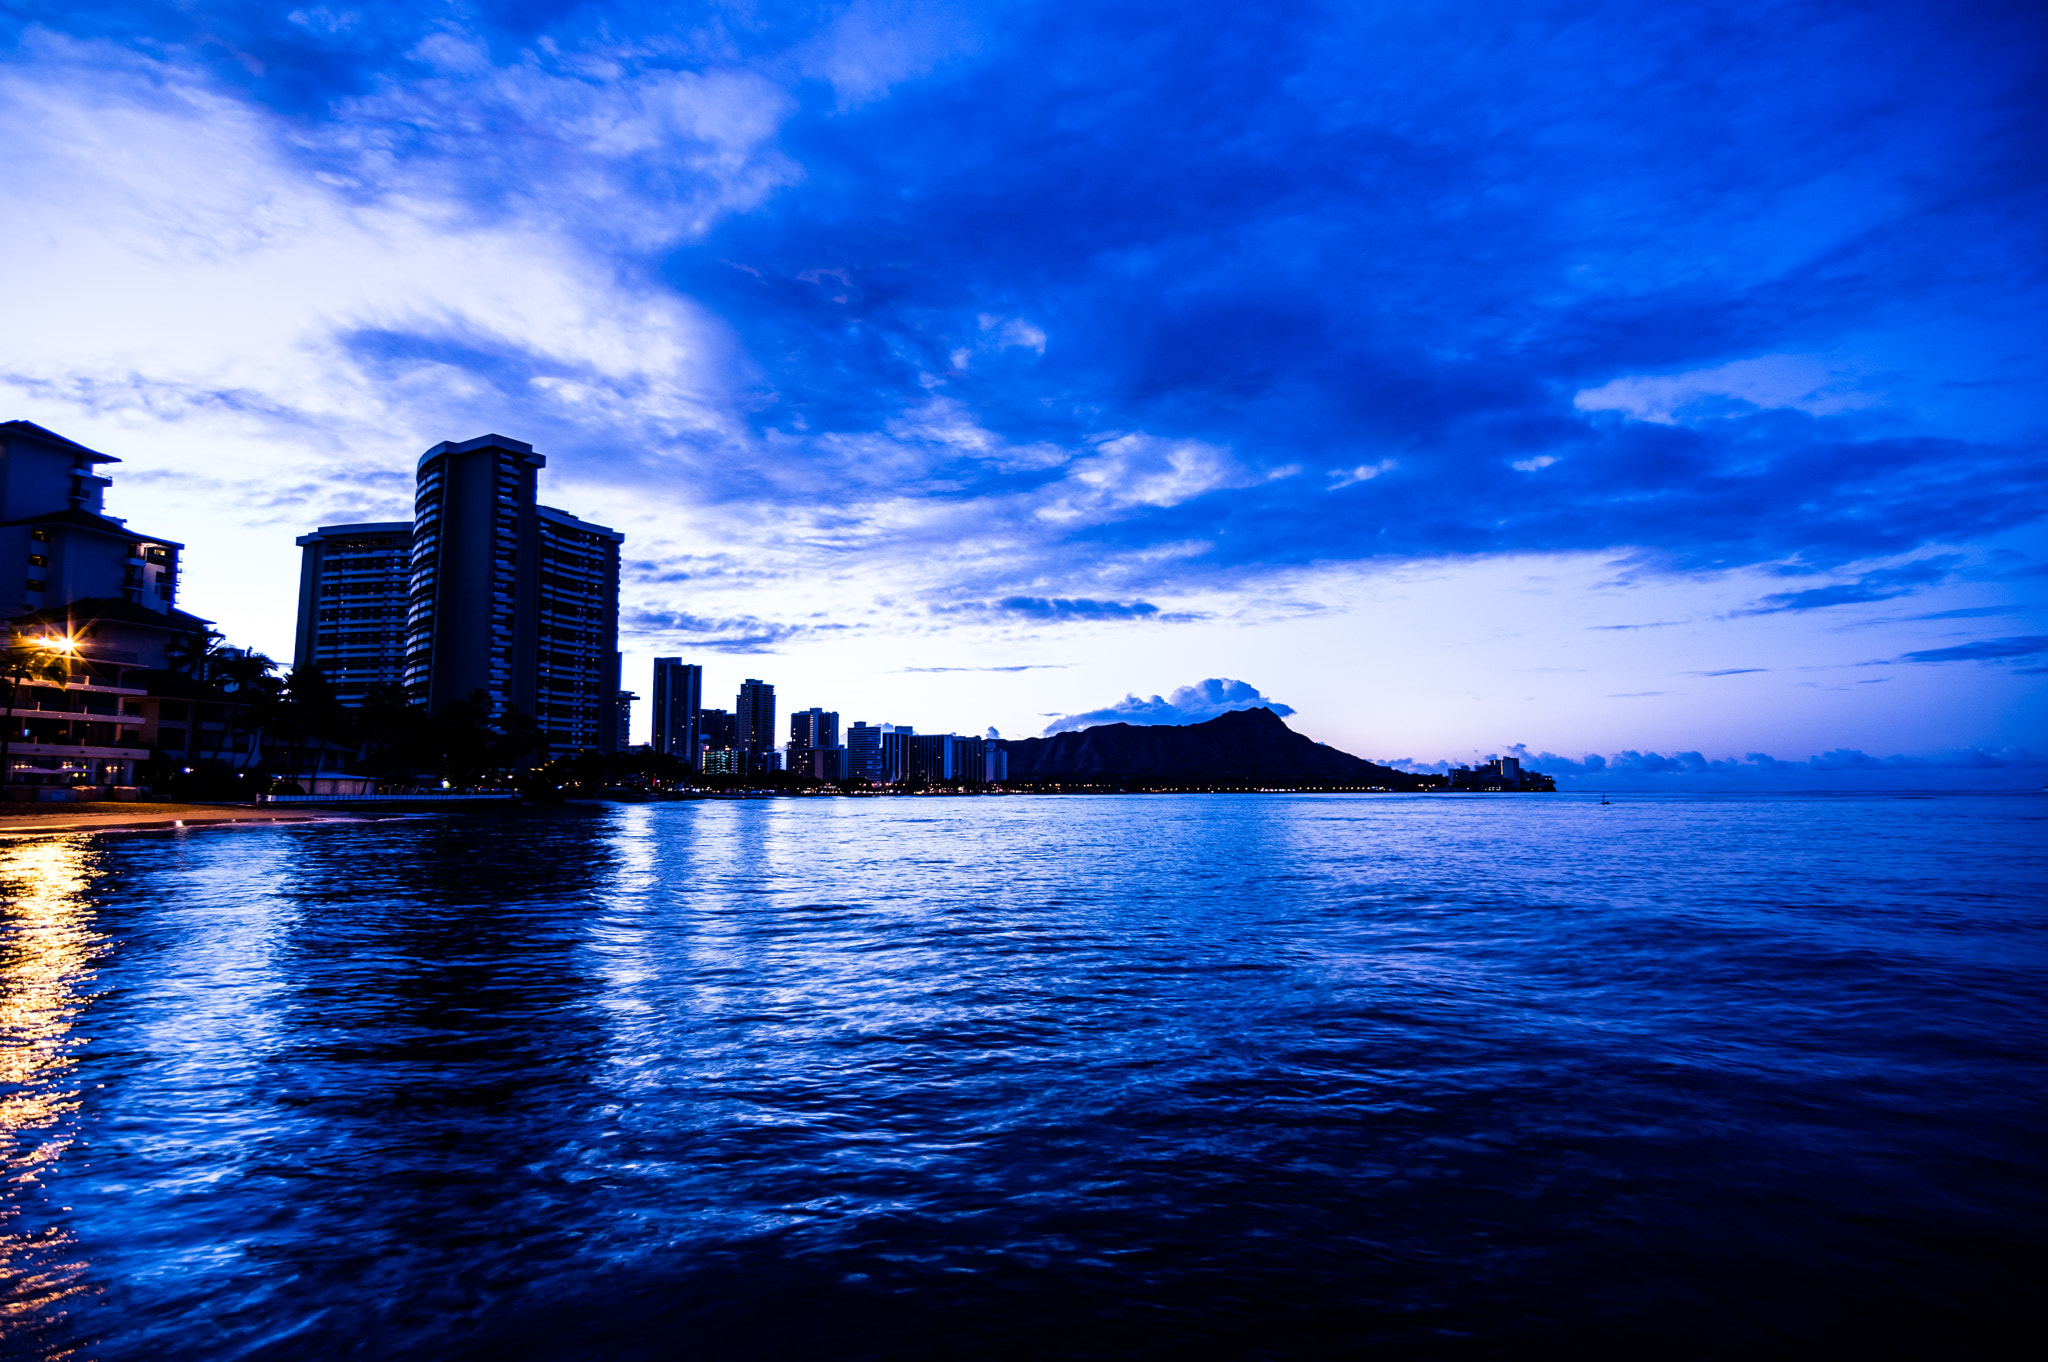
x=1629, y=383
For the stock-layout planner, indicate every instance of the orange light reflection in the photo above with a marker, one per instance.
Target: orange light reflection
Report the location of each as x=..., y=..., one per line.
x=47, y=953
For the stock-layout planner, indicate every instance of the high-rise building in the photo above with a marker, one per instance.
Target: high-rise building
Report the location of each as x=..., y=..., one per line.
x=578, y=647
x=896, y=753
x=864, y=751
x=354, y=581
x=925, y=758
x=753, y=714
x=624, y=719
x=678, y=705
x=814, y=743
x=509, y=598
x=718, y=730
x=966, y=760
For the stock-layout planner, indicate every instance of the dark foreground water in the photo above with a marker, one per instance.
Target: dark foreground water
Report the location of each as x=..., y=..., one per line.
x=1155, y=1077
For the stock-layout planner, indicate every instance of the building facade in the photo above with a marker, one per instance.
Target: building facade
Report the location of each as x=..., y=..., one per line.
x=354, y=584
x=718, y=731
x=753, y=714
x=864, y=751
x=623, y=711
x=937, y=758
x=576, y=656
x=55, y=532
x=895, y=758
x=678, y=708
x=510, y=599
x=925, y=757
x=814, y=743
x=966, y=760
x=93, y=598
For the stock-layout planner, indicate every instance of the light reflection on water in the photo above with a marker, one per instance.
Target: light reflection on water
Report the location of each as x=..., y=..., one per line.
x=48, y=946
x=1143, y=1078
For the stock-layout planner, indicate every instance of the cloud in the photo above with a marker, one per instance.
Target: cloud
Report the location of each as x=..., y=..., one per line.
x=1804, y=382
x=740, y=634
x=1022, y=667
x=1195, y=296
x=874, y=44
x=1187, y=705
x=1142, y=471
x=1974, y=612
x=1841, y=768
x=1986, y=650
x=1365, y=472
x=1060, y=608
x=1881, y=584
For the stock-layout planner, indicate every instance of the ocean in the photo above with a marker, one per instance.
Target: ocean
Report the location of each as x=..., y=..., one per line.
x=1148, y=1076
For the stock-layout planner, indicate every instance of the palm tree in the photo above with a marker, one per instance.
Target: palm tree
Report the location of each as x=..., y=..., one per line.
x=28, y=661
x=196, y=654
x=309, y=712
x=248, y=680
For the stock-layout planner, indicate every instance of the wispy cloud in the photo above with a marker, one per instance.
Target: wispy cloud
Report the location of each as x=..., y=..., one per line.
x=1985, y=650
x=739, y=634
x=1880, y=584
x=1021, y=667
x=1048, y=609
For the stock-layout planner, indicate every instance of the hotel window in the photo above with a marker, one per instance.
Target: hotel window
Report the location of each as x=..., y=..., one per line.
x=38, y=560
x=35, y=584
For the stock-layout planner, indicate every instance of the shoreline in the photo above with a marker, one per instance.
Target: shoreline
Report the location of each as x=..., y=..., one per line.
x=145, y=816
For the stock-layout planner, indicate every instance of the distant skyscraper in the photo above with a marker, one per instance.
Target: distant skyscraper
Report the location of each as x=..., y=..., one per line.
x=896, y=753
x=510, y=598
x=719, y=731
x=753, y=713
x=814, y=743
x=625, y=719
x=354, y=581
x=925, y=758
x=678, y=702
x=864, y=751
x=966, y=760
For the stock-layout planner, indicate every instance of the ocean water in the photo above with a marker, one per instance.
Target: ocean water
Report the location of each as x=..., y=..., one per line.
x=1088, y=1077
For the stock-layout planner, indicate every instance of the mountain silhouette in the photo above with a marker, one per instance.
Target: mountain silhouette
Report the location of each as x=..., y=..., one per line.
x=1245, y=746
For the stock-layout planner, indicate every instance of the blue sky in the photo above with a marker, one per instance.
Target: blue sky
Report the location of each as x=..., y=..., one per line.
x=1600, y=378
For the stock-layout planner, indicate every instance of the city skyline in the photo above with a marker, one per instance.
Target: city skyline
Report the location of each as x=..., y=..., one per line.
x=1457, y=394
